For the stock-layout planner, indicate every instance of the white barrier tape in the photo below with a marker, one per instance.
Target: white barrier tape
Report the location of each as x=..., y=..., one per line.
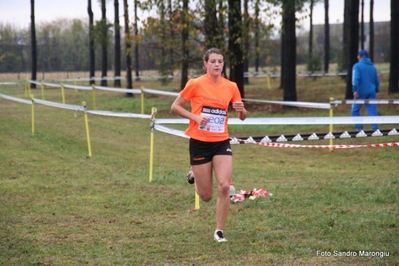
x=15, y=99
x=339, y=120
x=75, y=107
x=112, y=78
x=168, y=93
x=297, y=104
x=81, y=108
x=136, y=91
x=52, y=85
x=321, y=74
x=11, y=83
x=116, y=114
x=172, y=121
x=171, y=131
x=72, y=79
x=108, y=78
x=59, y=105
x=93, y=78
x=34, y=82
x=68, y=86
x=382, y=101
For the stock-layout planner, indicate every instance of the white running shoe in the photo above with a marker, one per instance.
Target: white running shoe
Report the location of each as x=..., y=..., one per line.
x=219, y=237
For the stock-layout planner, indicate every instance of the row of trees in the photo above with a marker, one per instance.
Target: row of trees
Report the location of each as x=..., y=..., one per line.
x=177, y=37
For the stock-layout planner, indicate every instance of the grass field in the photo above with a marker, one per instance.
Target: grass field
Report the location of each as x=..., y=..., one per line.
x=58, y=207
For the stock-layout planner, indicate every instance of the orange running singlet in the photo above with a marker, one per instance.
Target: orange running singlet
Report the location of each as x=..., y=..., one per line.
x=211, y=99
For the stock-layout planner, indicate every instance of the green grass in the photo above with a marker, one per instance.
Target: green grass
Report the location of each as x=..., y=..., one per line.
x=58, y=207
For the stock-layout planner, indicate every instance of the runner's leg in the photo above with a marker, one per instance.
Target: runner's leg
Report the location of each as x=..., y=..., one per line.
x=223, y=165
x=203, y=180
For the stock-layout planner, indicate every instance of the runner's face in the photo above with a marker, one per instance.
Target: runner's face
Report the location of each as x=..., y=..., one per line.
x=214, y=66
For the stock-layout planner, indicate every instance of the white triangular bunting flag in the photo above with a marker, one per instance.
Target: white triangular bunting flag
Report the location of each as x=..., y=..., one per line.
x=234, y=141
x=250, y=140
x=281, y=139
x=393, y=132
x=329, y=136
x=361, y=134
x=377, y=133
x=298, y=137
x=265, y=139
x=345, y=135
x=313, y=137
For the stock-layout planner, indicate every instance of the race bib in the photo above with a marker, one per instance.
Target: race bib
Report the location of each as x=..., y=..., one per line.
x=217, y=119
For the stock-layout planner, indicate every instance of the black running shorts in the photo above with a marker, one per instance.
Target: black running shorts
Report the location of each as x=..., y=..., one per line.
x=202, y=152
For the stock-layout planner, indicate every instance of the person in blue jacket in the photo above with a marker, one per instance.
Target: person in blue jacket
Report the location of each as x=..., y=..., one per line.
x=365, y=85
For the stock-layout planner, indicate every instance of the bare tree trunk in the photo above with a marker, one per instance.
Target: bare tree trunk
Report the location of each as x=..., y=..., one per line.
x=394, y=60
x=128, y=49
x=91, y=43
x=371, y=27
x=163, y=62
x=136, y=43
x=289, y=56
x=171, y=61
x=33, y=42
x=221, y=36
x=311, y=29
x=351, y=22
x=211, y=24
x=282, y=63
x=104, y=44
x=257, y=36
x=345, y=34
x=247, y=25
x=326, y=37
x=236, y=55
x=222, y=18
x=362, y=26
x=117, y=81
x=185, y=51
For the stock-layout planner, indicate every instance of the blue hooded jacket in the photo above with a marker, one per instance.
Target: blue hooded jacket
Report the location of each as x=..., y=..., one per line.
x=365, y=79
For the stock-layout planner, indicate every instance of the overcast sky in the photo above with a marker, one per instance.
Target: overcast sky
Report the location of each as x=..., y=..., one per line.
x=17, y=12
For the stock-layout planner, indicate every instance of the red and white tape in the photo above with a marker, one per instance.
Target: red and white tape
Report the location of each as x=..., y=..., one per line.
x=284, y=145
